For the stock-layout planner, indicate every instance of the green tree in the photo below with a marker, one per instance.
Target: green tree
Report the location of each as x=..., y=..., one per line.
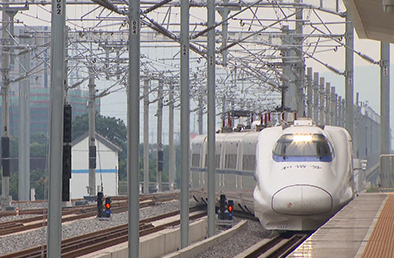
x=38, y=181
x=39, y=138
x=14, y=186
x=38, y=145
x=38, y=148
x=13, y=147
x=112, y=128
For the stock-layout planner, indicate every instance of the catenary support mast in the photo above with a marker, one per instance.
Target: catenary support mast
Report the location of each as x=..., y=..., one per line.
x=133, y=128
x=56, y=127
x=185, y=123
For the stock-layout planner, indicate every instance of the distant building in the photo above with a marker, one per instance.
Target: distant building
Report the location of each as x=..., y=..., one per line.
x=39, y=108
x=39, y=81
x=106, y=170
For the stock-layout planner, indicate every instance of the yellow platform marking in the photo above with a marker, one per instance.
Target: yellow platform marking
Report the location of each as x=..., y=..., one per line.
x=381, y=242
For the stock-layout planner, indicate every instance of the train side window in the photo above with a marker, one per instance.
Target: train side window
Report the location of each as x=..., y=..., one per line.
x=217, y=160
x=248, y=162
x=195, y=160
x=231, y=161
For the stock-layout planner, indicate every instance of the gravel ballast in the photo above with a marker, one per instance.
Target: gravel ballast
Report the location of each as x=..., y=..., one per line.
x=17, y=242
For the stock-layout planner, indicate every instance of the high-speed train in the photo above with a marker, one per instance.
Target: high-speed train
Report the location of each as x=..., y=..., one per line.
x=293, y=177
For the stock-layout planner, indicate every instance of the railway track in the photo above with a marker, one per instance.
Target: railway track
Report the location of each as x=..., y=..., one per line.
x=72, y=214
x=88, y=243
x=153, y=198
x=277, y=247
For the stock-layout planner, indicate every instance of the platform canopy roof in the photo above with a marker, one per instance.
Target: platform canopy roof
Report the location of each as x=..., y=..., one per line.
x=370, y=21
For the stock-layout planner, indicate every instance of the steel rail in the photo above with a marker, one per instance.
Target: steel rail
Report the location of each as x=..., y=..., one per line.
x=278, y=246
x=84, y=244
x=17, y=226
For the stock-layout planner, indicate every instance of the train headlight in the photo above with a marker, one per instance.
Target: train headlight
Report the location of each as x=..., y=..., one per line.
x=302, y=138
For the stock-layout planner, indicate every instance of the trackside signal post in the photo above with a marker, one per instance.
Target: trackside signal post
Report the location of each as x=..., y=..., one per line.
x=103, y=209
x=225, y=215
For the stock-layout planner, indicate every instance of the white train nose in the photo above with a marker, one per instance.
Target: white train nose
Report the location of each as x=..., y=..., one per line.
x=301, y=200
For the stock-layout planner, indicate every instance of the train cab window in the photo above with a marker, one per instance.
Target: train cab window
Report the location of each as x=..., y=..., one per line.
x=302, y=147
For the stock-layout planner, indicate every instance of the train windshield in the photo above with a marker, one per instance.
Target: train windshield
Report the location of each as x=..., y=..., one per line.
x=302, y=147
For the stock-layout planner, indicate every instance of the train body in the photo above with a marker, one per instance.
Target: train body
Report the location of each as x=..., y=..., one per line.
x=292, y=177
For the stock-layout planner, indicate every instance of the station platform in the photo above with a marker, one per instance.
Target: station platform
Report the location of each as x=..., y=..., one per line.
x=363, y=229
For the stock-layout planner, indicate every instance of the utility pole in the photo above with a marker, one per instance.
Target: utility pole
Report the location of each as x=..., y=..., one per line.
x=200, y=114
x=159, y=136
x=133, y=128
x=224, y=12
x=349, y=94
x=321, y=102
x=211, y=117
x=5, y=93
x=309, y=89
x=92, y=134
x=300, y=65
x=290, y=89
x=316, y=97
x=328, y=104
x=146, y=136
x=385, y=97
x=56, y=108
x=171, y=138
x=385, y=104
x=185, y=122
x=8, y=14
x=24, y=124
x=334, y=107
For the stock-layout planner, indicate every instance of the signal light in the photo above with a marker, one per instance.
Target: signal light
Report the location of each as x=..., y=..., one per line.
x=230, y=206
x=108, y=207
